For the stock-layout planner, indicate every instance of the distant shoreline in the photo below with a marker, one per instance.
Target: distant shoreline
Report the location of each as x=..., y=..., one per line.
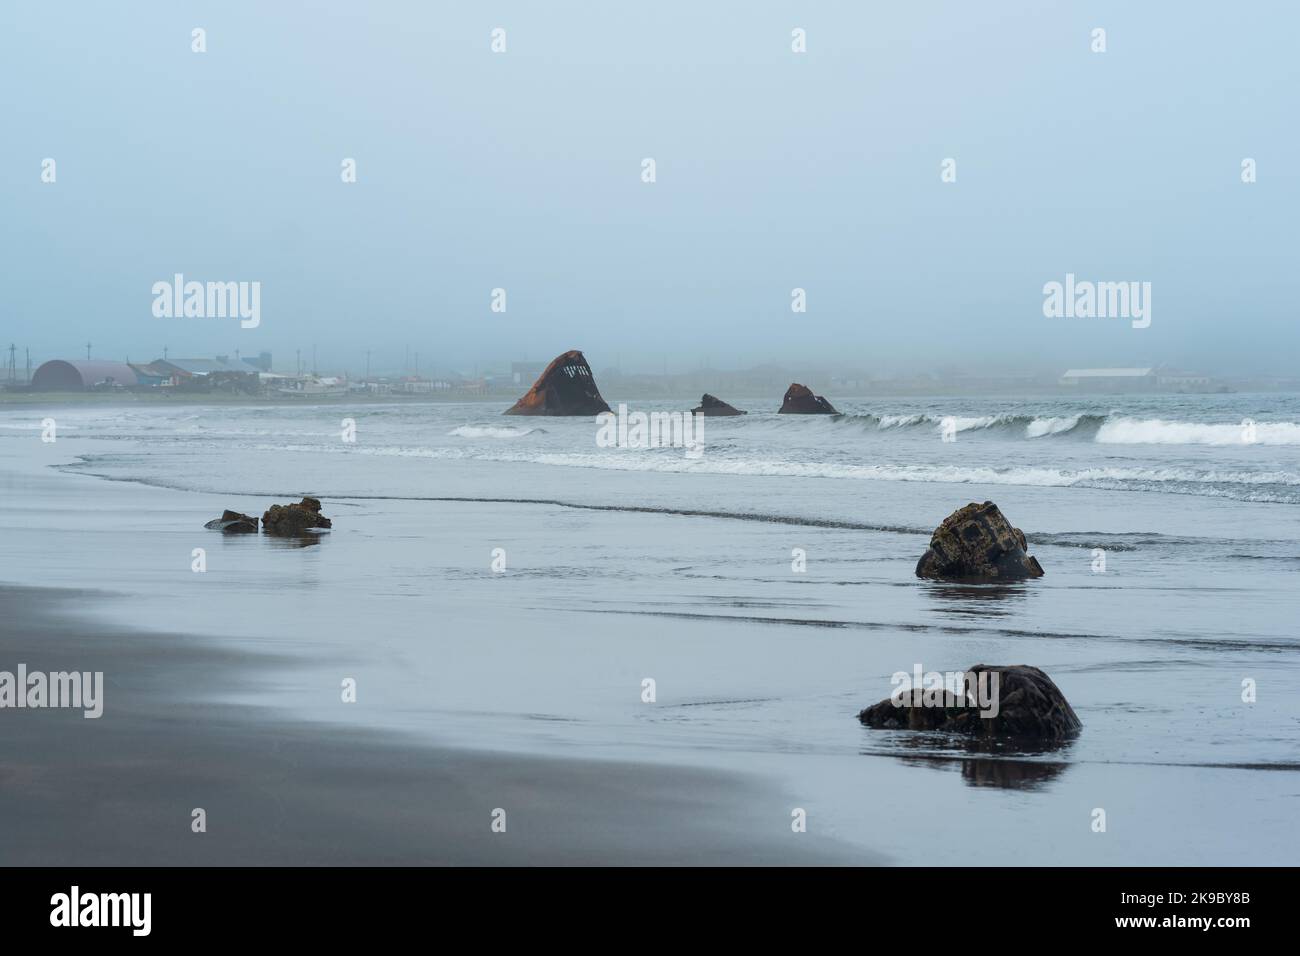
x=18, y=399
x=125, y=397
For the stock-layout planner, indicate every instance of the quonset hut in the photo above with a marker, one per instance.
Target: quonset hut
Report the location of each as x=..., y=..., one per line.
x=59, y=375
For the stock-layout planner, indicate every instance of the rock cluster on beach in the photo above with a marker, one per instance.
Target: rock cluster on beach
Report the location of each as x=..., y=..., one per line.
x=710, y=405
x=566, y=387
x=288, y=520
x=294, y=519
x=977, y=544
x=232, y=522
x=800, y=400
x=1029, y=707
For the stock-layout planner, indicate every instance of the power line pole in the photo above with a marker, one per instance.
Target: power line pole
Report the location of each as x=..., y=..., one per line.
x=87, y=351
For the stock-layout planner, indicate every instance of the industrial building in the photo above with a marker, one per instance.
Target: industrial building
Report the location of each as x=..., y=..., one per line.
x=76, y=375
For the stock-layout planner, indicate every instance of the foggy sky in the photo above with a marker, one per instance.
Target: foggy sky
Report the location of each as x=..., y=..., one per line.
x=775, y=170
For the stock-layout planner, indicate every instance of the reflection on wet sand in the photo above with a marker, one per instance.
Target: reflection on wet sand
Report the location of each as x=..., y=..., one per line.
x=1001, y=764
x=293, y=541
x=984, y=600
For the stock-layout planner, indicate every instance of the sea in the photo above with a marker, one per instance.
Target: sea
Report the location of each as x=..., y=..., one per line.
x=511, y=584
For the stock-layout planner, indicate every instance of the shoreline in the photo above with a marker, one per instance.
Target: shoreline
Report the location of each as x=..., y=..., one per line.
x=120, y=790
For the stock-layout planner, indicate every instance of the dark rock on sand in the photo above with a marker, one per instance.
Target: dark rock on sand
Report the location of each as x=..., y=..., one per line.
x=709, y=405
x=567, y=387
x=799, y=400
x=1028, y=704
x=294, y=519
x=232, y=522
x=978, y=545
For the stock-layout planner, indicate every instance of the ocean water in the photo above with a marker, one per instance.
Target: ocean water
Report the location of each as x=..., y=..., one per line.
x=627, y=565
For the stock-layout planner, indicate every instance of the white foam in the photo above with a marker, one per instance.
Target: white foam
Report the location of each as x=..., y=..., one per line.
x=962, y=424
x=1156, y=431
x=1040, y=427
x=901, y=421
x=491, y=431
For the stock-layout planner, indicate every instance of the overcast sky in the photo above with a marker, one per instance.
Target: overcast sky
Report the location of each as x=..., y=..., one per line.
x=775, y=170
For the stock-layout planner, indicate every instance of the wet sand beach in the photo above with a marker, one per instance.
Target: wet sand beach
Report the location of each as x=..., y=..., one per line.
x=120, y=790
x=523, y=688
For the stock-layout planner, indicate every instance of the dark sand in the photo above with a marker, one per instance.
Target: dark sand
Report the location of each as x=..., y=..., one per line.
x=119, y=790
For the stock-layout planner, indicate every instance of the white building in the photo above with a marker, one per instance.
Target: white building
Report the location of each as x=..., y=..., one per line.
x=1110, y=379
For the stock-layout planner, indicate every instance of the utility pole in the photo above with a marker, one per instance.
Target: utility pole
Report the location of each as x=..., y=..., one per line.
x=87, y=351
x=164, y=353
x=13, y=369
x=313, y=360
x=297, y=360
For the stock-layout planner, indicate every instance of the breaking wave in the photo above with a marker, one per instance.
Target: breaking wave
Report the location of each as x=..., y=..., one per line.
x=1027, y=426
x=1156, y=431
x=1104, y=429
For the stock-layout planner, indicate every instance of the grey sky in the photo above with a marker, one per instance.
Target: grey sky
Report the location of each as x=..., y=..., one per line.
x=775, y=170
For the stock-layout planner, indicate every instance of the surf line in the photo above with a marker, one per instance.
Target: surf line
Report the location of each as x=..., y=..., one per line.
x=638, y=509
